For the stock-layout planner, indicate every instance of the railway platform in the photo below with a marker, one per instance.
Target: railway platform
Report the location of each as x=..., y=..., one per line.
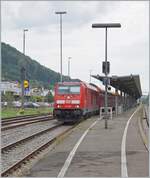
x=90, y=150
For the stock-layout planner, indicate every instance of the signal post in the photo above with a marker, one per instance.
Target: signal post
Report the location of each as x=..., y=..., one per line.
x=22, y=86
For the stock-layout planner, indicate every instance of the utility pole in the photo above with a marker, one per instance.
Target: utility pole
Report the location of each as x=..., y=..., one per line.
x=61, y=13
x=23, y=72
x=69, y=66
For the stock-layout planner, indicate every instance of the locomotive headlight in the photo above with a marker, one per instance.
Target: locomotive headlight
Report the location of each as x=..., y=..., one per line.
x=75, y=101
x=58, y=106
x=77, y=106
x=60, y=101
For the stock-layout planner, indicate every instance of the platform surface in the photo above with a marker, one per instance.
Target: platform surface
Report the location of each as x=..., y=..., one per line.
x=99, y=154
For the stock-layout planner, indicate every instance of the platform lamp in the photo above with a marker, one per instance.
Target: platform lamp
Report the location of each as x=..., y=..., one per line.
x=61, y=13
x=106, y=68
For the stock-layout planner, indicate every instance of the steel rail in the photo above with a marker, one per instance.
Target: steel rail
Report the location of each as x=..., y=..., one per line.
x=11, y=145
x=25, y=123
x=23, y=117
x=18, y=164
x=24, y=120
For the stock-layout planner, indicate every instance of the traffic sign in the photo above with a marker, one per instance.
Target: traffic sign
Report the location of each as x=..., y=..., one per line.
x=106, y=80
x=26, y=84
x=104, y=69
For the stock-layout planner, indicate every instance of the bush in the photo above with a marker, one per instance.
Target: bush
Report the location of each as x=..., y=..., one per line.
x=9, y=98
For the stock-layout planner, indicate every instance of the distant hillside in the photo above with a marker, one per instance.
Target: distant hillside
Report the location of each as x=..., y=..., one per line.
x=13, y=60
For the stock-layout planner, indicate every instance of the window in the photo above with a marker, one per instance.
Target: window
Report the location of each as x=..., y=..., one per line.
x=63, y=89
x=75, y=89
x=69, y=90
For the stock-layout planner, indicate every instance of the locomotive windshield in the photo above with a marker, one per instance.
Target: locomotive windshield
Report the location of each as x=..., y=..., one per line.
x=69, y=90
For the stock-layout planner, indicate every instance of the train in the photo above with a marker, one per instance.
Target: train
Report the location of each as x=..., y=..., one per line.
x=76, y=100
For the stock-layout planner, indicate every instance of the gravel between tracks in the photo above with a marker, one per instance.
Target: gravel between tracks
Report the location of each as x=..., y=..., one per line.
x=15, y=134
x=20, y=151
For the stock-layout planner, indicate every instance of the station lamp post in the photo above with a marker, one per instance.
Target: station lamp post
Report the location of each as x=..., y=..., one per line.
x=69, y=66
x=23, y=71
x=106, y=64
x=60, y=13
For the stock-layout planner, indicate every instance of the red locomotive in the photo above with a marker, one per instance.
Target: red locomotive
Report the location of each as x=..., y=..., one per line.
x=73, y=100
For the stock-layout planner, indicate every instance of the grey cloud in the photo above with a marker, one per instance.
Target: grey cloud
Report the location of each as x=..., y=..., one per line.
x=38, y=14
x=127, y=47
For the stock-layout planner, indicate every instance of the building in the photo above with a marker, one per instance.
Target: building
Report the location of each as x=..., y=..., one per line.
x=13, y=87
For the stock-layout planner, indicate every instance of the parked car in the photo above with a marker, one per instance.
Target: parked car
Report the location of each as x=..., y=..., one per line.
x=43, y=104
x=31, y=105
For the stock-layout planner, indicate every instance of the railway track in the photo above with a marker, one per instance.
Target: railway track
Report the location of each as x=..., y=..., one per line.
x=11, y=145
x=21, y=121
x=41, y=141
x=23, y=117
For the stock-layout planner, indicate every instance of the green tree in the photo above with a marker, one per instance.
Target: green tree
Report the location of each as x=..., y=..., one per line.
x=49, y=97
x=36, y=98
x=38, y=75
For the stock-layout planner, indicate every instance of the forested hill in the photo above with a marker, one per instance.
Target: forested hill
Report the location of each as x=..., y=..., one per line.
x=13, y=60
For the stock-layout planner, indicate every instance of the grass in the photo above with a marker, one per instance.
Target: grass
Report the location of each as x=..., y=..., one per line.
x=12, y=112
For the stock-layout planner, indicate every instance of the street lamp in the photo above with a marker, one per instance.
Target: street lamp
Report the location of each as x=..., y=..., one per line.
x=60, y=13
x=23, y=72
x=106, y=25
x=69, y=66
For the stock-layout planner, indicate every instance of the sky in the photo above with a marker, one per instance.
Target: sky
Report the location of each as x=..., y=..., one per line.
x=128, y=46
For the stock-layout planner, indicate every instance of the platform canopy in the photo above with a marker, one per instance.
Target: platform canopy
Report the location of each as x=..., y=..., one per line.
x=127, y=84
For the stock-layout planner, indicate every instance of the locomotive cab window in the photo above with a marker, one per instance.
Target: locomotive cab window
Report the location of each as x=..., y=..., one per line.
x=74, y=89
x=63, y=89
x=69, y=90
